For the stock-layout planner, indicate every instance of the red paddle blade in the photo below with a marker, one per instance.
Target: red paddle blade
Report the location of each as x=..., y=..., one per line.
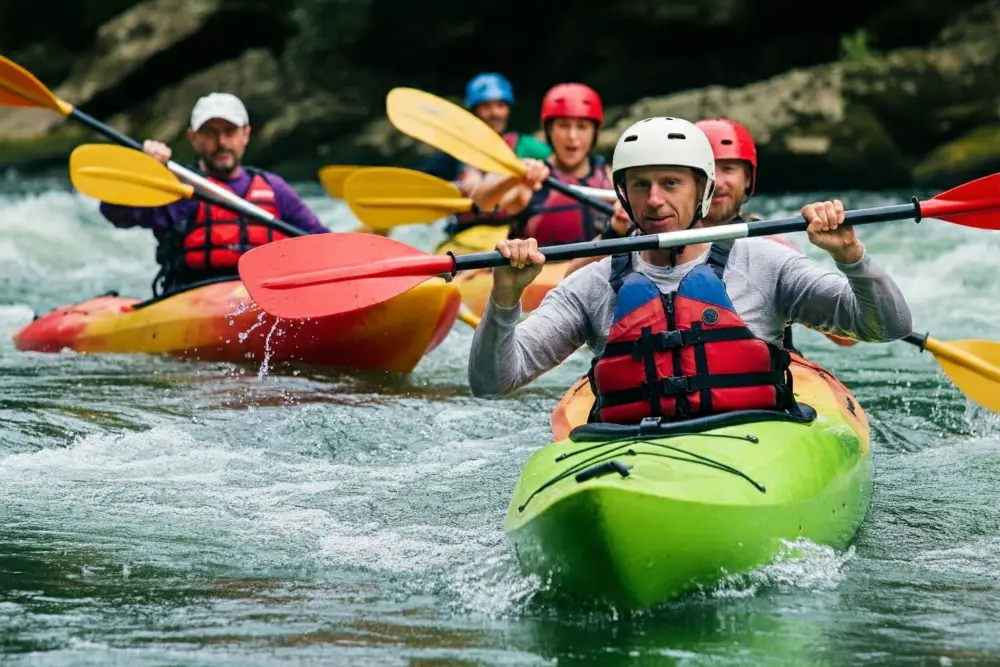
x=333, y=273
x=972, y=204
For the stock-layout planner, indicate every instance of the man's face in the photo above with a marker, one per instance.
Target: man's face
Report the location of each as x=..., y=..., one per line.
x=663, y=199
x=220, y=144
x=494, y=113
x=732, y=178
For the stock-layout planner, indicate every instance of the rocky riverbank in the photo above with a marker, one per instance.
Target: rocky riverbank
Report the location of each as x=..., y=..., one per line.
x=903, y=93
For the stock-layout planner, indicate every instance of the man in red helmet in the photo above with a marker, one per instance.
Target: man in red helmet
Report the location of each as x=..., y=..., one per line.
x=735, y=181
x=571, y=116
x=735, y=169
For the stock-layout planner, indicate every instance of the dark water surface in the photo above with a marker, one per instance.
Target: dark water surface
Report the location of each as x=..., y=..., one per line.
x=162, y=512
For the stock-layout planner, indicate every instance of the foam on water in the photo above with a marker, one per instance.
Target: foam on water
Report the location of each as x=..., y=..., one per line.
x=800, y=564
x=55, y=246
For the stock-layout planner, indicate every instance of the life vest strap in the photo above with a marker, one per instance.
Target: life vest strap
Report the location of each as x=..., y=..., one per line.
x=621, y=264
x=676, y=386
x=672, y=340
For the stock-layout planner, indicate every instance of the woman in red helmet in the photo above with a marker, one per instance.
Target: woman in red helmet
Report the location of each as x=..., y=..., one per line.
x=571, y=116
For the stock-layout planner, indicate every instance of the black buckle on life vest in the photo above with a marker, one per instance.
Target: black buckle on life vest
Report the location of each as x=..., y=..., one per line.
x=671, y=386
x=661, y=342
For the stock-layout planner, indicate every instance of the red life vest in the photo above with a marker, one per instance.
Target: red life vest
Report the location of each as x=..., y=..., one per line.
x=217, y=237
x=476, y=217
x=551, y=217
x=684, y=354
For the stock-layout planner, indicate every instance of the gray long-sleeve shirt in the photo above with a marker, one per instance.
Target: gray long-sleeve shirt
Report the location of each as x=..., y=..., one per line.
x=770, y=285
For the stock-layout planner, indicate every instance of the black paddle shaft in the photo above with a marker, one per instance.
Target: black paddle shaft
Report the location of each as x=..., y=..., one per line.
x=558, y=253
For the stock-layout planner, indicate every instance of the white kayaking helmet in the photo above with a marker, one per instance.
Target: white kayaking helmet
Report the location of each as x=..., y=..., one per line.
x=664, y=142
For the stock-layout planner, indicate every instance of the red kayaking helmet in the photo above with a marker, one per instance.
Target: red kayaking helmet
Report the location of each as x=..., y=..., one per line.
x=731, y=141
x=572, y=100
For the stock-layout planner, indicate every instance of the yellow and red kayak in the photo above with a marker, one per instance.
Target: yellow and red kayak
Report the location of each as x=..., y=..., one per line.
x=220, y=322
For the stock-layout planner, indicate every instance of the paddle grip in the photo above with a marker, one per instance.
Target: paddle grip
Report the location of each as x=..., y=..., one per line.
x=582, y=198
x=559, y=253
x=861, y=216
x=225, y=198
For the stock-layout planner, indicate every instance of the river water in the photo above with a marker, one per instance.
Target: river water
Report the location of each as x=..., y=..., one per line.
x=164, y=512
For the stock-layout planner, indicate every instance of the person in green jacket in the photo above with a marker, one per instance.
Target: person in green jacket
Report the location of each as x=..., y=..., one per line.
x=490, y=97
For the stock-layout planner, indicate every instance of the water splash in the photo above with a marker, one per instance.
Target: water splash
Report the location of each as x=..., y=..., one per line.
x=800, y=564
x=243, y=335
x=492, y=585
x=242, y=306
x=265, y=364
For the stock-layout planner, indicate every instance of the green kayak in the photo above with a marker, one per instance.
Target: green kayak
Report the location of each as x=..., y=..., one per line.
x=636, y=518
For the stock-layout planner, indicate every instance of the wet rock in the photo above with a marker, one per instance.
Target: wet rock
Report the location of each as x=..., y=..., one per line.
x=972, y=155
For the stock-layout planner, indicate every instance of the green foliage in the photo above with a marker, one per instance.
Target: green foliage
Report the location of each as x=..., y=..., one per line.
x=856, y=47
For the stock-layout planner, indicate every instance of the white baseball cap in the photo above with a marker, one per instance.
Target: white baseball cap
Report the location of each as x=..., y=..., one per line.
x=219, y=105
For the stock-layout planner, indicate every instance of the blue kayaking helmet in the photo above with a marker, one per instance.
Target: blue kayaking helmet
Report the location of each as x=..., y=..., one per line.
x=487, y=87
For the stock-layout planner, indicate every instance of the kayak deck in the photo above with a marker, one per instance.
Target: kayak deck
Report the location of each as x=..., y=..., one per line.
x=637, y=516
x=219, y=322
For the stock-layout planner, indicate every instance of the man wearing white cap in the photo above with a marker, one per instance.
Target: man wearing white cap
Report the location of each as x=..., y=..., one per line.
x=199, y=241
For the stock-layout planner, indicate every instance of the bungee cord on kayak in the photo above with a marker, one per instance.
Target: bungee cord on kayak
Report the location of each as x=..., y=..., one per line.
x=615, y=450
x=692, y=434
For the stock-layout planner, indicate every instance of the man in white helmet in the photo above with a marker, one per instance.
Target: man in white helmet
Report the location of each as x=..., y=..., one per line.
x=689, y=313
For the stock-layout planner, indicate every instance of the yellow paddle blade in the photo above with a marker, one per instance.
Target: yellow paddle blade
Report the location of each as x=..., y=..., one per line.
x=481, y=238
x=365, y=229
x=468, y=317
x=332, y=178
x=124, y=176
x=384, y=197
x=974, y=367
x=20, y=88
x=450, y=128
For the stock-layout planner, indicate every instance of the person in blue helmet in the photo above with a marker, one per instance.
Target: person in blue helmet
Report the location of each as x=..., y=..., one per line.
x=490, y=97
